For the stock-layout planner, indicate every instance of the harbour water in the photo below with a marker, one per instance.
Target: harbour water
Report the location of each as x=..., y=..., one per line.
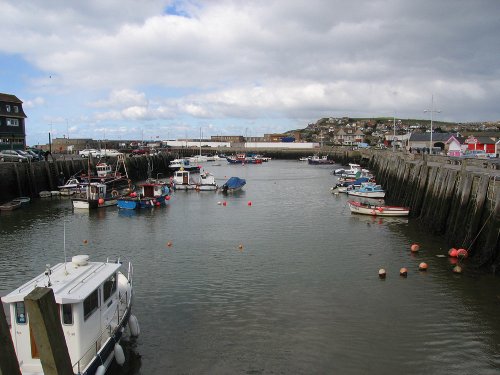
x=286, y=285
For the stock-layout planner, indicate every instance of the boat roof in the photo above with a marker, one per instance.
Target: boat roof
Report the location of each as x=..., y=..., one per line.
x=71, y=284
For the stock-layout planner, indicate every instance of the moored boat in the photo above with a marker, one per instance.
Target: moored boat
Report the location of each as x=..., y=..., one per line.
x=152, y=194
x=368, y=190
x=23, y=200
x=377, y=210
x=94, y=301
x=206, y=182
x=182, y=180
x=233, y=184
x=10, y=206
x=95, y=195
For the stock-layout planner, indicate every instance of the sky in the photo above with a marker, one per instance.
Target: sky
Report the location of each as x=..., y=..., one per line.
x=159, y=69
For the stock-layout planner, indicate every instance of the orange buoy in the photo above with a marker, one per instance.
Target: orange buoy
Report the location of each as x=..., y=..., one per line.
x=462, y=253
x=85, y=242
x=422, y=266
x=240, y=246
x=403, y=272
x=101, y=201
x=415, y=247
x=381, y=273
x=249, y=203
x=169, y=243
x=452, y=252
x=457, y=269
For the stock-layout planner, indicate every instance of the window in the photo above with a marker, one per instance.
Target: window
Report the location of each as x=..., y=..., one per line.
x=16, y=109
x=109, y=287
x=20, y=313
x=12, y=122
x=7, y=107
x=90, y=304
x=67, y=313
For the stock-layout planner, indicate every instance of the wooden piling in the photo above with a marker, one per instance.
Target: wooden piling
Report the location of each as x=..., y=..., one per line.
x=47, y=331
x=9, y=365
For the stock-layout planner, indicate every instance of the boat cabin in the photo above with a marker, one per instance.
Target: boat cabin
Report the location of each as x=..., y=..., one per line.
x=89, y=307
x=103, y=170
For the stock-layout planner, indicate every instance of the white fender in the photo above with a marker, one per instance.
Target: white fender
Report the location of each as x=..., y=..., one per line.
x=119, y=355
x=101, y=370
x=133, y=325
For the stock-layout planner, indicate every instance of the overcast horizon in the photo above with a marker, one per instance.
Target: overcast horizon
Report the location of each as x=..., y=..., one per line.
x=166, y=69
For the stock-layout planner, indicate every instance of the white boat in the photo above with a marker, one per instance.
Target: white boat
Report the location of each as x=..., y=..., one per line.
x=182, y=180
x=206, y=182
x=72, y=186
x=95, y=195
x=368, y=190
x=377, y=210
x=94, y=300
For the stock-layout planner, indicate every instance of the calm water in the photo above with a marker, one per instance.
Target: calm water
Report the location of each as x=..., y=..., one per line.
x=301, y=297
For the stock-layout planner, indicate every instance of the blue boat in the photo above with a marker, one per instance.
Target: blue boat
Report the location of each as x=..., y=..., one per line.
x=233, y=184
x=151, y=195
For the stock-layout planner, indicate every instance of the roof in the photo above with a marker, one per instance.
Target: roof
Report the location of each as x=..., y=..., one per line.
x=426, y=137
x=71, y=284
x=9, y=98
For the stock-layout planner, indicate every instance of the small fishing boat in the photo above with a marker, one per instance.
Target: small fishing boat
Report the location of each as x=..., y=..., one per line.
x=10, y=206
x=72, y=186
x=94, y=301
x=206, y=182
x=377, y=210
x=23, y=200
x=177, y=164
x=342, y=187
x=45, y=194
x=368, y=190
x=95, y=195
x=182, y=180
x=152, y=194
x=233, y=184
x=316, y=160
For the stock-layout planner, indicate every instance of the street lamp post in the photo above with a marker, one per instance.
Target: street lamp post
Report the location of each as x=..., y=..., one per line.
x=394, y=137
x=432, y=111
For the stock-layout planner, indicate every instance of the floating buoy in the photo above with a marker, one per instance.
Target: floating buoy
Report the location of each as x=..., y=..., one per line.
x=169, y=244
x=101, y=201
x=403, y=272
x=219, y=203
x=381, y=273
x=224, y=203
x=452, y=252
x=133, y=194
x=167, y=197
x=249, y=203
x=119, y=355
x=462, y=253
x=101, y=370
x=85, y=242
x=240, y=246
x=415, y=247
x=422, y=266
x=157, y=204
x=133, y=325
x=457, y=269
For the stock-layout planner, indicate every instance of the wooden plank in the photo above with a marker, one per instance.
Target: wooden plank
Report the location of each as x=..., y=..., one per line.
x=47, y=331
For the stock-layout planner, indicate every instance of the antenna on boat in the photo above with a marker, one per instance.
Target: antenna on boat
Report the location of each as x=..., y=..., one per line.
x=64, y=246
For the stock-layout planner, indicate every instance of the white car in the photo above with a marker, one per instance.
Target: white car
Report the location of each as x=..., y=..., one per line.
x=110, y=153
x=89, y=152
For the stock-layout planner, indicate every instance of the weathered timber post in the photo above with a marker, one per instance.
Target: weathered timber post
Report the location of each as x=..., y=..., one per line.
x=48, y=333
x=9, y=364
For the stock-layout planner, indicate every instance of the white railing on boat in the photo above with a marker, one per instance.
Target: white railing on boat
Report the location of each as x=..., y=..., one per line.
x=106, y=335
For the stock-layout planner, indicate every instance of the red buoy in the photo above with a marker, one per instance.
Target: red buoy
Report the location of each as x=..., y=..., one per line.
x=462, y=253
x=167, y=197
x=415, y=247
x=452, y=252
x=422, y=266
x=169, y=244
x=224, y=203
x=249, y=203
x=101, y=201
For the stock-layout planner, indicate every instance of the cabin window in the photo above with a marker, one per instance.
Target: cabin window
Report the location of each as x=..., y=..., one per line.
x=12, y=122
x=16, y=109
x=20, y=313
x=7, y=107
x=67, y=313
x=90, y=304
x=109, y=287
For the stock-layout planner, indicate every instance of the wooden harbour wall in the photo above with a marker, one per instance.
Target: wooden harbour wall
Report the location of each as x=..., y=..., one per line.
x=459, y=200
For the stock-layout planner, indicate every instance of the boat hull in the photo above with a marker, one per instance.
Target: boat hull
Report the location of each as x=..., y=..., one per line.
x=374, y=210
x=368, y=194
x=87, y=204
x=136, y=204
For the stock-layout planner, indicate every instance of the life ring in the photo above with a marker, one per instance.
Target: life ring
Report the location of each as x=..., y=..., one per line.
x=114, y=193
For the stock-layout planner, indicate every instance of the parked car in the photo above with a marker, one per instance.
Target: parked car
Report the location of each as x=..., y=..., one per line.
x=37, y=154
x=25, y=154
x=12, y=155
x=89, y=152
x=110, y=153
x=139, y=151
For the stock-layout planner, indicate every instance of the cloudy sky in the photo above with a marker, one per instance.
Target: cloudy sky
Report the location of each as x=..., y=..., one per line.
x=147, y=69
